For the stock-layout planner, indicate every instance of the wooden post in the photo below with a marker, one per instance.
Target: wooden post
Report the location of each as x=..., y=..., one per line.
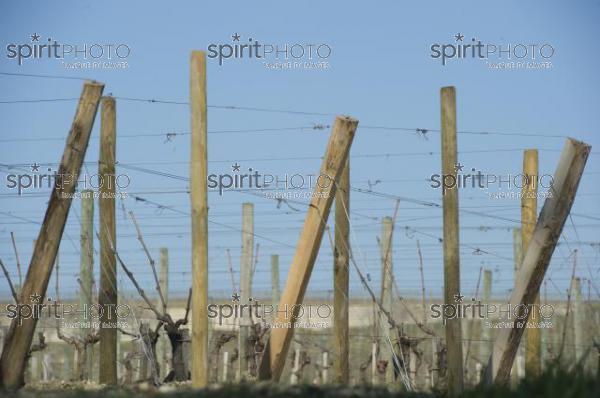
x=225, y=366
x=533, y=366
x=374, y=373
x=162, y=345
x=107, y=297
x=387, y=277
x=86, y=272
x=341, y=280
x=308, y=245
x=517, y=249
x=578, y=322
x=246, y=271
x=198, y=195
x=517, y=258
x=20, y=335
x=535, y=263
x=451, y=241
x=275, y=279
x=325, y=368
x=485, y=348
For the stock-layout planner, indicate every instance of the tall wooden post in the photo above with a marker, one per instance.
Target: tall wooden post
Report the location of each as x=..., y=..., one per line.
x=20, y=335
x=486, y=332
x=451, y=241
x=517, y=258
x=341, y=281
x=387, y=277
x=533, y=365
x=108, y=242
x=86, y=272
x=578, y=321
x=162, y=345
x=275, y=292
x=198, y=188
x=308, y=245
x=537, y=258
x=246, y=271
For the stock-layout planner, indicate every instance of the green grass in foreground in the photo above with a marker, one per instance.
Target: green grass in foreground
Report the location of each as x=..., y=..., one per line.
x=554, y=383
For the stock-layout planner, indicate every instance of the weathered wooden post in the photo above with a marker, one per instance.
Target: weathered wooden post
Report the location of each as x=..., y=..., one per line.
x=86, y=271
x=341, y=280
x=535, y=263
x=20, y=335
x=246, y=271
x=308, y=245
x=162, y=345
x=485, y=348
x=533, y=366
x=325, y=368
x=387, y=278
x=578, y=322
x=450, y=167
x=517, y=258
x=275, y=292
x=107, y=297
x=198, y=195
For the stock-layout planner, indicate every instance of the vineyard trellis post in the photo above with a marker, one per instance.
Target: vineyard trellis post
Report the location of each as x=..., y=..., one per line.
x=162, y=345
x=275, y=292
x=517, y=237
x=387, y=277
x=20, y=335
x=528, y=219
x=246, y=271
x=450, y=166
x=341, y=260
x=486, y=332
x=537, y=258
x=86, y=272
x=336, y=154
x=199, y=204
x=107, y=297
x=578, y=322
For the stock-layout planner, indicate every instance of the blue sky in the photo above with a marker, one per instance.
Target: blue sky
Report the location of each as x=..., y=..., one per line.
x=380, y=72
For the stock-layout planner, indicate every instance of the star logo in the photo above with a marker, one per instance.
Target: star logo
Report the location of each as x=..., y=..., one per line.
x=459, y=37
x=235, y=37
x=235, y=167
x=35, y=167
x=458, y=167
x=35, y=298
x=235, y=297
x=458, y=298
x=35, y=37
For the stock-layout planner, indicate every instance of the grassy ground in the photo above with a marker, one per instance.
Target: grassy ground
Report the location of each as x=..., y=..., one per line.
x=557, y=384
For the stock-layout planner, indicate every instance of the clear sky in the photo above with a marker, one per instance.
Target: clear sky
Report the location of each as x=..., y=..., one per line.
x=380, y=72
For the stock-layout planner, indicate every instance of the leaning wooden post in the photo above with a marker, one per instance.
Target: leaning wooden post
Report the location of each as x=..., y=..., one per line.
x=387, y=277
x=163, y=342
x=533, y=366
x=535, y=263
x=20, y=335
x=451, y=241
x=107, y=297
x=578, y=322
x=308, y=245
x=86, y=271
x=341, y=281
x=198, y=195
x=246, y=271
